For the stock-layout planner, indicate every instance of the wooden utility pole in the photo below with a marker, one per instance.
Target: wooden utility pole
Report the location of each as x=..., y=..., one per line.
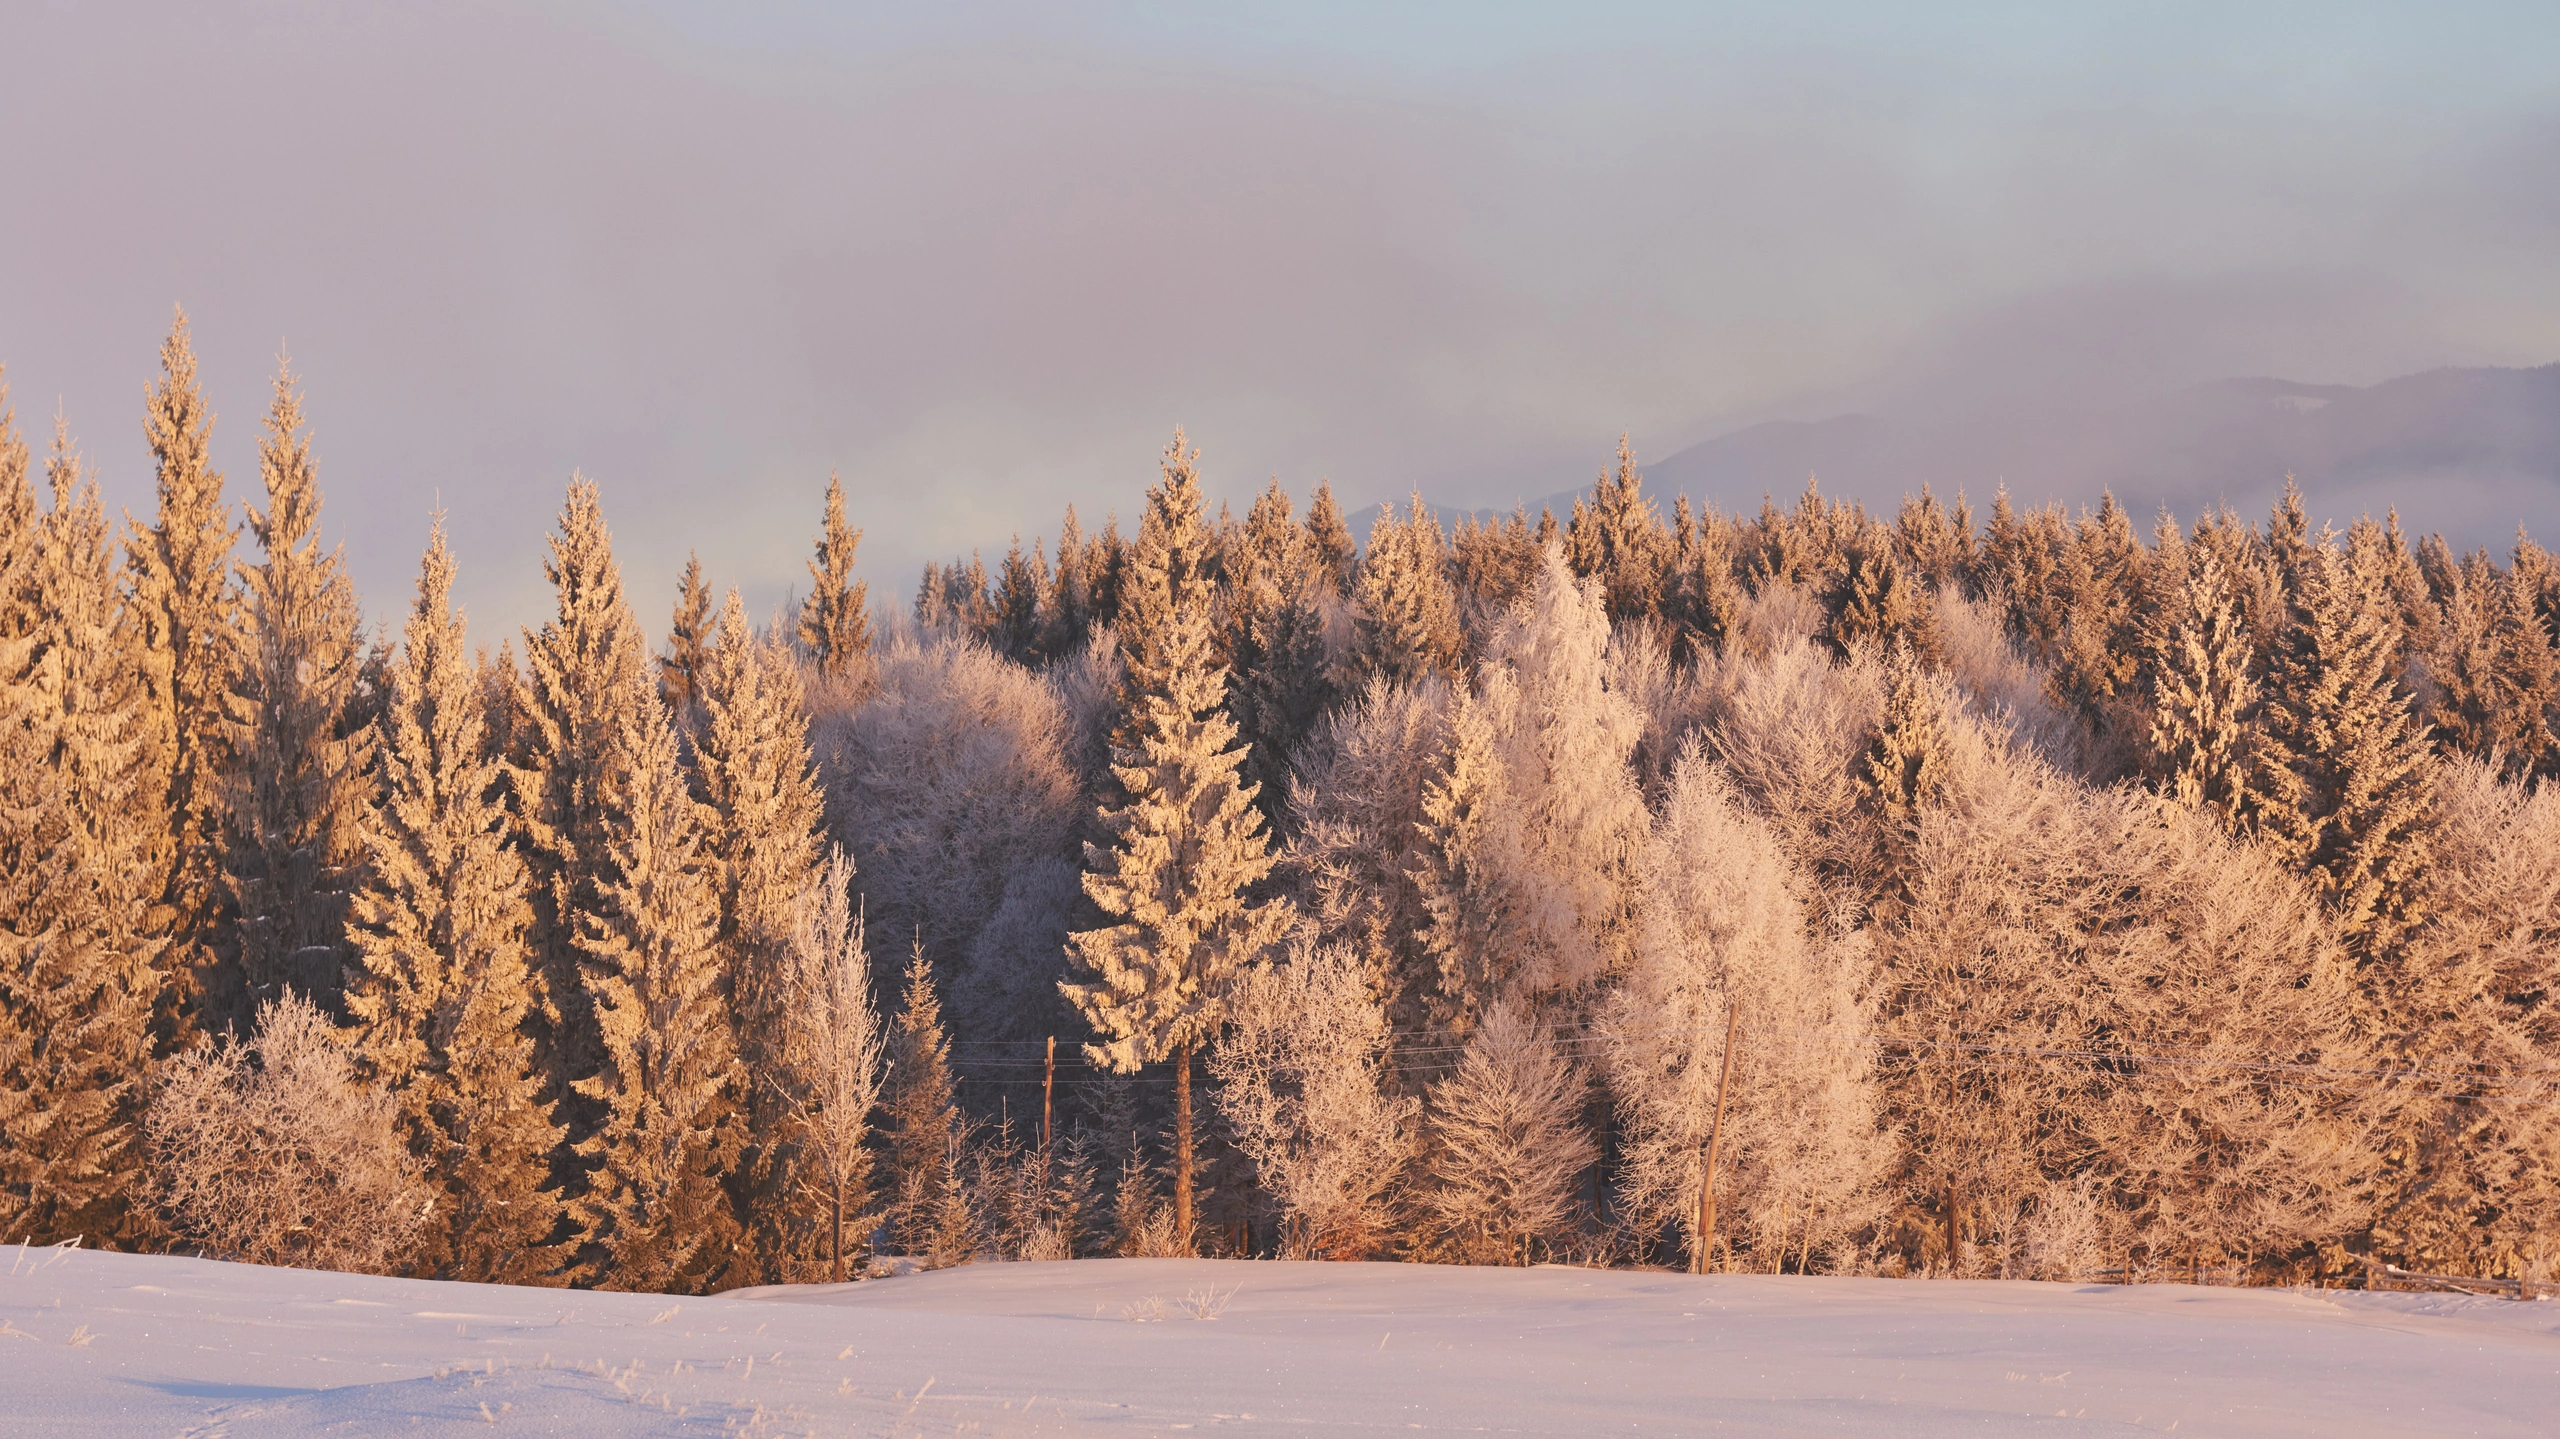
x=1715, y=1139
x=1048, y=1084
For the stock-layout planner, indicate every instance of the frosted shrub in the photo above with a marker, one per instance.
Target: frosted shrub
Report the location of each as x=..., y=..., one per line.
x=1301, y=1083
x=272, y=1152
x=2063, y=1235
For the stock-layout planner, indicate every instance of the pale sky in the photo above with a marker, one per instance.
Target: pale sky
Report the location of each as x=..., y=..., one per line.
x=983, y=263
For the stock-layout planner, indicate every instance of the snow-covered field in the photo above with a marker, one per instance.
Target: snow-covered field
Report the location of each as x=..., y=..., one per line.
x=127, y=1345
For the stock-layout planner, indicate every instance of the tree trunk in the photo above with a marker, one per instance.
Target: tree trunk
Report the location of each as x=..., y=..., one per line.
x=839, y=1187
x=1182, y=1146
x=1955, y=1266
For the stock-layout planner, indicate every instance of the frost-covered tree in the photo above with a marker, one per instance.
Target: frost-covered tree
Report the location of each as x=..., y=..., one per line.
x=923, y=1121
x=185, y=642
x=1276, y=641
x=80, y=972
x=1357, y=801
x=827, y=1066
x=652, y=1214
x=1186, y=847
x=689, y=639
x=1617, y=541
x=440, y=989
x=294, y=797
x=2466, y=1167
x=1537, y=819
x=752, y=765
x=2203, y=695
x=952, y=790
x=2343, y=784
x=1302, y=1084
x=1507, y=1143
x=1793, y=730
x=1331, y=550
x=1801, y=1156
x=571, y=723
x=835, y=620
x=270, y=1151
x=1405, y=616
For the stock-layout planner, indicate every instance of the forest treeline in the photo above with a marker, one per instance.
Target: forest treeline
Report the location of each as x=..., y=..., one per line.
x=1807, y=891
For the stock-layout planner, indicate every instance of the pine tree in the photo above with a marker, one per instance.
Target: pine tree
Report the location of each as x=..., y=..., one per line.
x=754, y=766
x=835, y=621
x=1700, y=599
x=573, y=717
x=688, y=656
x=653, y=1215
x=72, y=1017
x=1276, y=639
x=294, y=801
x=923, y=1122
x=1873, y=602
x=2344, y=784
x=1066, y=611
x=1406, y=618
x=1020, y=581
x=82, y=971
x=186, y=632
x=1906, y=763
x=1934, y=542
x=441, y=988
x=1618, y=541
x=1462, y=889
x=1186, y=845
x=1330, y=546
x=2203, y=697
x=1166, y=573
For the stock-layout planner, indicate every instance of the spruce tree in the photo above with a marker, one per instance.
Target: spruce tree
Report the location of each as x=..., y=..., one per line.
x=1874, y=603
x=1167, y=572
x=74, y=994
x=1276, y=639
x=186, y=613
x=653, y=1214
x=2344, y=782
x=1406, y=618
x=1700, y=599
x=753, y=762
x=2204, y=698
x=1618, y=541
x=835, y=621
x=294, y=799
x=923, y=1121
x=1186, y=844
x=1905, y=766
x=441, y=988
x=1020, y=581
x=1066, y=611
x=1330, y=546
x=81, y=997
x=680, y=669
x=576, y=710
x=1460, y=884
x=1934, y=542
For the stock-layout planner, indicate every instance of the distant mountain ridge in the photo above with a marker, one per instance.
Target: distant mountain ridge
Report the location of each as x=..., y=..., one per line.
x=2469, y=452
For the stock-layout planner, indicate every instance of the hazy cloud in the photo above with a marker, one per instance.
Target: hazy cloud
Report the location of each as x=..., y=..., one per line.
x=982, y=263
